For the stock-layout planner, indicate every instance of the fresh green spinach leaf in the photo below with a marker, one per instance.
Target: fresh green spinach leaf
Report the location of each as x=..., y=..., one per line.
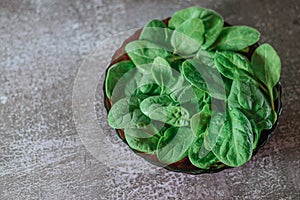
x=164, y=109
x=134, y=82
x=247, y=97
x=236, y=38
x=176, y=116
x=188, y=37
x=199, y=121
x=205, y=57
x=212, y=21
x=205, y=78
x=130, y=83
x=122, y=115
x=115, y=73
x=266, y=66
x=157, y=32
x=182, y=91
x=162, y=73
x=143, y=52
x=152, y=103
x=184, y=94
x=233, y=65
x=144, y=139
x=174, y=145
x=150, y=89
x=200, y=156
x=230, y=137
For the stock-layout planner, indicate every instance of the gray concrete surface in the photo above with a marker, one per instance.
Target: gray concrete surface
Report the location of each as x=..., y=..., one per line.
x=42, y=45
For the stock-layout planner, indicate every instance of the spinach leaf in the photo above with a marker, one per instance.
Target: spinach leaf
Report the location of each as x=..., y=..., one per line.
x=176, y=116
x=247, y=97
x=205, y=78
x=188, y=37
x=228, y=83
x=164, y=109
x=138, y=119
x=184, y=94
x=230, y=137
x=126, y=85
x=201, y=157
x=174, y=145
x=152, y=103
x=115, y=73
x=182, y=91
x=202, y=96
x=176, y=64
x=205, y=57
x=233, y=65
x=206, y=141
x=119, y=115
x=157, y=32
x=132, y=83
x=144, y=139
x=150, y=89
x=212, y=21
x=200, y=120
x=135, y=100
x=143, y=52
x=203, y=100
x=266, y=66
x=236, y=38
x=189, y=97
x=162, y=73
x=122, y=115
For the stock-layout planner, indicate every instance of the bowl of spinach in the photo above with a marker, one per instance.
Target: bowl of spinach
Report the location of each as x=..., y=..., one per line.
x=194, y=94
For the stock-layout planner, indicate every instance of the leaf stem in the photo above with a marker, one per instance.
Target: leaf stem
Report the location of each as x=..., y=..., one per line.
x=263, y=88
x=175, y=57
x=271, y=98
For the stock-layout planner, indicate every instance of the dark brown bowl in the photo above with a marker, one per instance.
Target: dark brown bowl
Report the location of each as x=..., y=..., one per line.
x=184, y=165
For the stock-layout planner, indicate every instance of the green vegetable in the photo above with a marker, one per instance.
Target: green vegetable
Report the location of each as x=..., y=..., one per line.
x=188, y=37
x=164, y=109
x=205, y=57
x=152, y=103
x=143, y=52
x=120, y=116
x=115, y=73
x=247, y=97
x=266, y=66
x=212, y=22
x=184, y=94
x=156, y=31
x=143, y=139
x=182, y=91
x=162, y=73
x=233, y=65
x=236, y=38
x=205, y=78
x=201, y=157
x=190, y=91
x=174, y=145
x=200, y=120
x=128, y=84
x=149, y=89
x=230, y=137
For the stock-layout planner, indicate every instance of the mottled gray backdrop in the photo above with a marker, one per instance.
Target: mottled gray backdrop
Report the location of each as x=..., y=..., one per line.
x=42, y=45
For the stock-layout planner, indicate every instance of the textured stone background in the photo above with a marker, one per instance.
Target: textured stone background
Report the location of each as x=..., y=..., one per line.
x=43, y=43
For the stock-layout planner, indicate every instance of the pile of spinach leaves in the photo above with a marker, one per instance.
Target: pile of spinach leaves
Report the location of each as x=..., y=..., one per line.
x=188, y=90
